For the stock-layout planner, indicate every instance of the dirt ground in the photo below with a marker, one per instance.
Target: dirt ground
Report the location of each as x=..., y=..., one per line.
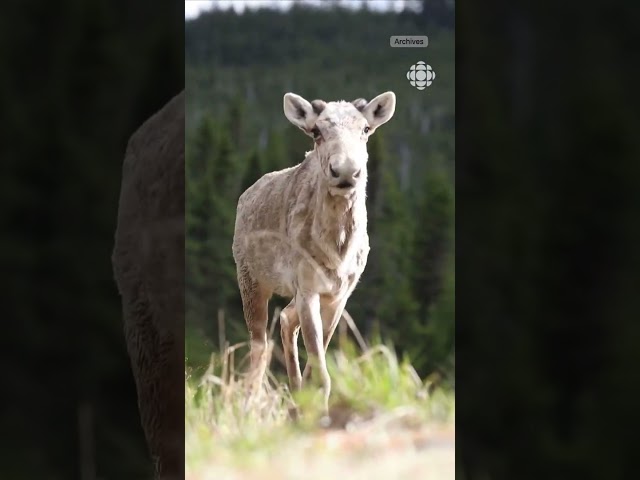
x=425, y=454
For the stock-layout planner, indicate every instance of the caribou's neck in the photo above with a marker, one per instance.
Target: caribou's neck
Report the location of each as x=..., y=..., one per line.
x=339, y=220
x=337, y=206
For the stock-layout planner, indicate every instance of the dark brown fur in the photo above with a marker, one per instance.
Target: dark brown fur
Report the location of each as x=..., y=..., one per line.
x=148, y=264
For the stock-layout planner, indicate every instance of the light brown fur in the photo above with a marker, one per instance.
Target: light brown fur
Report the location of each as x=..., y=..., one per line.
x=301, y=233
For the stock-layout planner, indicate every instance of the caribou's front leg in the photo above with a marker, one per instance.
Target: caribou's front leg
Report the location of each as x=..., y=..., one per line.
x=308, y=307
x=331, y=310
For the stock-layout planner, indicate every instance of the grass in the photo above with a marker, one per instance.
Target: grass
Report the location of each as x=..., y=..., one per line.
x=384, y=421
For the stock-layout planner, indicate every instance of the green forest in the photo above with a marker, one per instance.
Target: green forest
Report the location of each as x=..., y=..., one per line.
x=238, y=67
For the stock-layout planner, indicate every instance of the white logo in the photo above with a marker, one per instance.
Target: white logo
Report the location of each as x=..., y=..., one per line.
x=420, y=75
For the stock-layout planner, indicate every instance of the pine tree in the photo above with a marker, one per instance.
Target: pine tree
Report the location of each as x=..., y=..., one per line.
x=222, y=168
x=200, y=150
x=200, y=153
x=253, y=171
x=211, y=203
x=384, y=296
x=376, y=149
x=397, y=307
x=235, y=123
x=440, y=323
x=275, y=155
x=222, y=180
x=296, y=145
x=198, y=263
x=433, y=276
x=433, y=238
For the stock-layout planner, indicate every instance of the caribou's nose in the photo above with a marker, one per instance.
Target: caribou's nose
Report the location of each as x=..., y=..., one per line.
x=346, y=173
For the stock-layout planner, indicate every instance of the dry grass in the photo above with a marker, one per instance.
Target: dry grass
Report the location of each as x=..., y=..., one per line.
x=384, y=422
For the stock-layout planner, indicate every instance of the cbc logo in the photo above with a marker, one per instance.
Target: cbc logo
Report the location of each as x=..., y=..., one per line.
x=420, y=75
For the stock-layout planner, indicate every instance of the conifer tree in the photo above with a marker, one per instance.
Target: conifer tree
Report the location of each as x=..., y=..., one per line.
x=223, y=168
x=432, y=240
x=222, y=179
x=253, y=171
x=275, y=156
x=432, y=276
x=200, y=150
x=385, y=294
x=235, y=122
x=297, y=145
x=199, y=156
x=375, y=149
x=397, y=306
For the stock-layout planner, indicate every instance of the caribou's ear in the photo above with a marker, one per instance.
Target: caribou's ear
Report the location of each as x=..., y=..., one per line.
x=380, y=110
x=300, y=112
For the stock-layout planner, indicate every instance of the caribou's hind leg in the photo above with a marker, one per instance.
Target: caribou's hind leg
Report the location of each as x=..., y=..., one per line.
x=289, y=329
x=255, y=302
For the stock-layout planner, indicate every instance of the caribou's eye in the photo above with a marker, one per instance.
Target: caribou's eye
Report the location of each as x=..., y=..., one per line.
x=366, y=129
